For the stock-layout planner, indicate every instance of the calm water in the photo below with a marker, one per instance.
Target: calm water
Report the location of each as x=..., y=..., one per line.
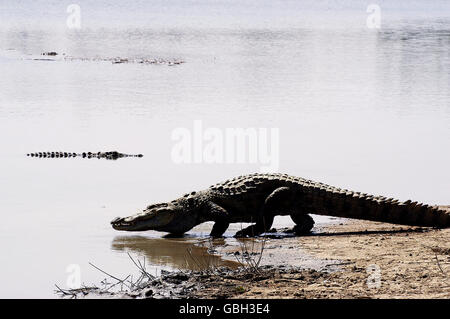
x=364, y=109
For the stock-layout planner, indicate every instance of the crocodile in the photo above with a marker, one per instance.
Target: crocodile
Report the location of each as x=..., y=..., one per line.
x=112, y=155
x=52, y=56
x=258, y=198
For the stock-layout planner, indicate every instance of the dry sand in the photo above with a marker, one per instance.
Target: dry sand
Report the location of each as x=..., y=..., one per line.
x=357, y=259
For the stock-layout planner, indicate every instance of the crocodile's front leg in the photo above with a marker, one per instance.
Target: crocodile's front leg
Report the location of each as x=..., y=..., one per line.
x=277, y=199
x=220, y=216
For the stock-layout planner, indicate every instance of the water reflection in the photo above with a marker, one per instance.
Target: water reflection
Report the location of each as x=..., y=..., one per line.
x=176, y=253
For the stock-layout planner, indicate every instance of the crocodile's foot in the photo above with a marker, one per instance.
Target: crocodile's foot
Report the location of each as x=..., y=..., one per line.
x=304, y=224
x=250, y=231
x=301, y=230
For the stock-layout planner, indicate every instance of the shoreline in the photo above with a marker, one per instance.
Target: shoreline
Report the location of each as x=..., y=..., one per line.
x=355, y=259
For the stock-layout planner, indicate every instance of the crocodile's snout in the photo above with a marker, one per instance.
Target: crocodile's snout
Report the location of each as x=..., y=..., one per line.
x=119, y=223
x=115, y=220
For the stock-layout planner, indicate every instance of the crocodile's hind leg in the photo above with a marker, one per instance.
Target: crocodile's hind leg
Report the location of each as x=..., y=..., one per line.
x=303, y=223
x=273, y=203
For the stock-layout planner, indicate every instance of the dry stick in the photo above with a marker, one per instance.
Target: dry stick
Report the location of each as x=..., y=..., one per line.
x=119, y=280
x=142, y=269
x=439, y=265
x=192, y=258
x=238, y=260
x=206, y=263
x=64, y=292
x=210, y=256
x=203, y=263
x=235, y=255
x=246, y=255
x=262, y=248
x=132, y=260
x=261, y=252
x=245, y=260
x=252, y=263
x=209, y=259
x=73, y=292
x=217, y=264
x=189, y=250
x=435, y=255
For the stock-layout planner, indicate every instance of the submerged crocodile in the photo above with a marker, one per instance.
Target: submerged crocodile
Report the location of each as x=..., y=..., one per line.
x=258, y=198
x=52, y=56
x=112, y=155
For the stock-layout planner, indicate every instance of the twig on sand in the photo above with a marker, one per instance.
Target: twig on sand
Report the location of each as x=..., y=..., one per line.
x=436, y=251
x=128, y=282
x=247, y=261
x=119, y=281
x=142, y=268
x=73, y=293
x=439, y=265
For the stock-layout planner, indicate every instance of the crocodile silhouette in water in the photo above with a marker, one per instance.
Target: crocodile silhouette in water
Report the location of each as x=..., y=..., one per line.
x=54, y=56
x=112, y=155
x=258, y=198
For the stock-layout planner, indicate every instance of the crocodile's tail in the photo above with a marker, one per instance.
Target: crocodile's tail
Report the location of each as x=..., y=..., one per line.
x=333, y=201
x=112, y=155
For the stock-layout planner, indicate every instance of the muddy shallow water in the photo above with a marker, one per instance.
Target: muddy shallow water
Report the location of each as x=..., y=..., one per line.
x=197, y=251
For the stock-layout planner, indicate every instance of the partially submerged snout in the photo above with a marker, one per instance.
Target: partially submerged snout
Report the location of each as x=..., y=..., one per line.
x=156, y=217
x=137, y=223
x=120, y=223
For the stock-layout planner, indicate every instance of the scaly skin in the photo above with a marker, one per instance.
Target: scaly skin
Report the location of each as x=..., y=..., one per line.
x=259, y=198
x=112, y=155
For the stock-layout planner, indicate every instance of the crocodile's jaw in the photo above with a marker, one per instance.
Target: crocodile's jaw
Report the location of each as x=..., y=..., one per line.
x=122, y=224
x=150, y=220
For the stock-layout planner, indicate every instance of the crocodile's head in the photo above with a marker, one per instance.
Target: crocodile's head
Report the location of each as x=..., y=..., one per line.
x=175, y=217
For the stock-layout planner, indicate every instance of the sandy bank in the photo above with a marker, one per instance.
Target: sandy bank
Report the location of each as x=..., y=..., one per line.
x=358, y=259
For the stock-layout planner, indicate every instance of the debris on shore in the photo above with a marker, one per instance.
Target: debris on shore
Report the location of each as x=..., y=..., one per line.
x=220, y=283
